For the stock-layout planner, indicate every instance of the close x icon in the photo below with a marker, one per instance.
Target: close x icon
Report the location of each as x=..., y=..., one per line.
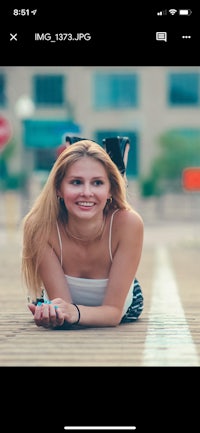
x=13, y=36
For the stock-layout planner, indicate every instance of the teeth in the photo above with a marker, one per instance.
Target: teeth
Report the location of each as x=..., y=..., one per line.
x=85, y=203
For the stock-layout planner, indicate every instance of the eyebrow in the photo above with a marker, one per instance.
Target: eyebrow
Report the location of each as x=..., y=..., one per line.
x=81, y=177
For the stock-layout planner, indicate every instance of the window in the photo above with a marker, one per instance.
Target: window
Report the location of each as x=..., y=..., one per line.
x=48, y=90
x=44, y=159
x=115, y=91
x=184, y=89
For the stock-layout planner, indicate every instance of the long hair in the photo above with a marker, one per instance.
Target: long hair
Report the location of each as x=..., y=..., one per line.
x=39, y=222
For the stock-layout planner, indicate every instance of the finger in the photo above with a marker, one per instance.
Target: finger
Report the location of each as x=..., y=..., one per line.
x=41, y=316
x=32, y=308
x=59, y=316
x=53, y=314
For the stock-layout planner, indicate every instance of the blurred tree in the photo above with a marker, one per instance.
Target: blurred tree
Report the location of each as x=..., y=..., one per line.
x=9, y=180
x=5, y=155
x=178, y=150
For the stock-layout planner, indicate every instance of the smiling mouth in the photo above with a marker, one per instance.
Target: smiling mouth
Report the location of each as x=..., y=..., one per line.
x=85, y=203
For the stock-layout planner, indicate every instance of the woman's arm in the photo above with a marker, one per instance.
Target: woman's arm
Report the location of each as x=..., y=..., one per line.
x=53, y=276
x=55, y=284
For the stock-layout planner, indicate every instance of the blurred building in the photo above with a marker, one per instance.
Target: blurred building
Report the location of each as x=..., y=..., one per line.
x=44, y=103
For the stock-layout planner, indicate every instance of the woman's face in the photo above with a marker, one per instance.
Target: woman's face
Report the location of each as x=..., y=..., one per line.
x=85, y=188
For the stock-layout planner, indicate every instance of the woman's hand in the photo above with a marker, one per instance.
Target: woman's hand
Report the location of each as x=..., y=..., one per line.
x=46, y=314
x=53, y=313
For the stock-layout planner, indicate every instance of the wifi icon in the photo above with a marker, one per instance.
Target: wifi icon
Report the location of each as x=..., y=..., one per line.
x=172, y=11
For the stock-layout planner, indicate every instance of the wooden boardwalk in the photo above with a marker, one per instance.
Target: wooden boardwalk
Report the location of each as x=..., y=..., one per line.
x=167, y=334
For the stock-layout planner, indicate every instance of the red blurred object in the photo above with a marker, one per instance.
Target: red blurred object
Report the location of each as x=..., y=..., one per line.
x=60, y=149
x=191, y=178
x=5, y=131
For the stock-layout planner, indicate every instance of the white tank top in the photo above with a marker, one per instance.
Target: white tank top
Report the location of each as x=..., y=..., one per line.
x=90, y=291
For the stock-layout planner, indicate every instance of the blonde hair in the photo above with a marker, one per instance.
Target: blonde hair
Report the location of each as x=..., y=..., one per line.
x=47, y=208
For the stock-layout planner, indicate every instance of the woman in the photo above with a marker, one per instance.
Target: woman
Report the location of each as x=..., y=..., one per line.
x=82, y=244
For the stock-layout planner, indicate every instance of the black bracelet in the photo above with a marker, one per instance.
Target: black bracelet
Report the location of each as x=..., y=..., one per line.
x=79, y=314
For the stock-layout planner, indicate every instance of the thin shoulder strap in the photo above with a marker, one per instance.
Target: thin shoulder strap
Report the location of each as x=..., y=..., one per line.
x=110, y=234
x=60, y=243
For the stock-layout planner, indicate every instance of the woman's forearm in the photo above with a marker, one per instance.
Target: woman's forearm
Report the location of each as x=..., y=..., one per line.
x=104, y=315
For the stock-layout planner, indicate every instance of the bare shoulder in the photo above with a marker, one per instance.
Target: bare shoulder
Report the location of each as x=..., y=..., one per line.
x=128, y=227
x=129, y=219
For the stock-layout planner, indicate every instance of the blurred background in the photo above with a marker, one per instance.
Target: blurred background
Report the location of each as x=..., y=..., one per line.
x=156, y=107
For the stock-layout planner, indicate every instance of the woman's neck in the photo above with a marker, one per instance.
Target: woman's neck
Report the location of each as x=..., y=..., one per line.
x=86, y=233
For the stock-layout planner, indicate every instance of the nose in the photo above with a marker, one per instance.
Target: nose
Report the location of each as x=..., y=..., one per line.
x=86, y=189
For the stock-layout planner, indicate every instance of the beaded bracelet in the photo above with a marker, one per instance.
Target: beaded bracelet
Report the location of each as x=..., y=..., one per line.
x=79, y=314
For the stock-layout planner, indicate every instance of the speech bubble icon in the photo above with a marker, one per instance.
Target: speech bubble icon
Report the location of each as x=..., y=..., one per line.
x=161, y=36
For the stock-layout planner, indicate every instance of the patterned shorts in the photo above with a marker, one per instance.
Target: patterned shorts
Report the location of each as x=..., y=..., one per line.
x=136, y=306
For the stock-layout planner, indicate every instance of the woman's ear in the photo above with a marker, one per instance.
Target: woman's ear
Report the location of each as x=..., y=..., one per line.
x=109, y=200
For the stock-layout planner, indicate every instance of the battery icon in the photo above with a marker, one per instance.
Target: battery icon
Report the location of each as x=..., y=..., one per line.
x=185, y=11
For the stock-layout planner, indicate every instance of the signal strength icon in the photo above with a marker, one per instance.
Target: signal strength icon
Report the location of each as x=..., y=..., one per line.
x=162, y=12
x=173, y=11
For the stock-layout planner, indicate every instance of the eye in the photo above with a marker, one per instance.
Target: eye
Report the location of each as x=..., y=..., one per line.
x=98, y=182
x=76, y=182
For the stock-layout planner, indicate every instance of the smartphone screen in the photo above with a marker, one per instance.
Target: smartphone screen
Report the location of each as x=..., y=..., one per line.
x=103, y=73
